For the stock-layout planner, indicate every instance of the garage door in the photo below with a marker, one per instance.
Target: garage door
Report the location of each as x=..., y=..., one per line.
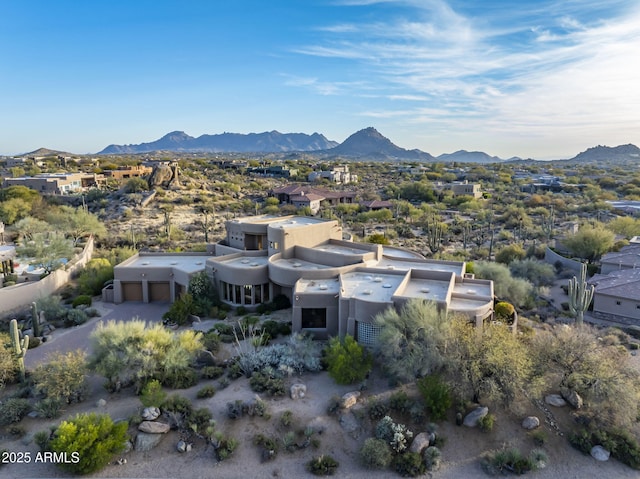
x=159, y=291
x=132, y=291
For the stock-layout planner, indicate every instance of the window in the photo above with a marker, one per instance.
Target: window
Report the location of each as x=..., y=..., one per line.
x=247, y=293
x=618, y=303
x=257, y=291
x=314, y=318
x=273, y=245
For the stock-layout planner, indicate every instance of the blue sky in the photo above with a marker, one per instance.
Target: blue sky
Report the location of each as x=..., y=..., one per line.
x=542, y=79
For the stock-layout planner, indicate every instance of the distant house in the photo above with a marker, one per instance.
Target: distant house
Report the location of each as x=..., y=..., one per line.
x=337, y=174
x=460, y=188
x=304, y=195
x=54, y=183
x=275, y=171
x=124, y=173
x=376, y=205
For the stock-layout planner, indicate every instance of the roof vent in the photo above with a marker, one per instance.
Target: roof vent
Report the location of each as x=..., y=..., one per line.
x=322, y=287
x=377, y=279
x=425, y=290
x=386, y=285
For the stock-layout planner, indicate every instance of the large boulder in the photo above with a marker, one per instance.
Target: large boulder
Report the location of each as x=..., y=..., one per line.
x=599, y=453
x=349, y=400
x=572, y=397
x=420, y=443
x=298, y=391
x=530, y=423
x=153, y=427
x=473, y=418
x=150, y=413
x=145, y=442
x=555, y=400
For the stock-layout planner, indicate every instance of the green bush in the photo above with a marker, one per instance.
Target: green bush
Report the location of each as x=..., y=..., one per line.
x=180, y=310
x=506, y=461
x=211, y=341
x=622, y=445
x=80, y=300
x=13, y=410
x=91, y=438
x=49, y=408
x=504, y=310
x=322, y=466
x=375, y=454
x=75, y=317
x=52, y=308
x=206, y=392
x=400, y=402
x=408, y=464
x=487, y=422
x=225, y=446
x=152, y=394
x=377, y=410
x=348, y=362
x=211, y=372
x=436, y=395
x=276, y=328
x=63, y=377
x=94, y=276
x=264, y=382
x=431, y=457
x=182, y=378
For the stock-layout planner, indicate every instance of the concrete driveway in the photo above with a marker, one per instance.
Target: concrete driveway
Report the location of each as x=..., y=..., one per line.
x=70, y=339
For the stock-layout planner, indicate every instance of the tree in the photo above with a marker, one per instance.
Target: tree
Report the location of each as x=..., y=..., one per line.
x=47, y=251
x=536, y=272
x=625, y=226
x=63, y=377
x=506, y=287
x=134, y=352
x=590, y=242
x=348, y=361
x=410, y=344
x=378, y=238
x=29, y=226
x=14, y=209
x=94, y=275
x=579, y=360
x=136, y=185
x=491, y=364
x=77, y=223
x=510, y=253
x=90, y=441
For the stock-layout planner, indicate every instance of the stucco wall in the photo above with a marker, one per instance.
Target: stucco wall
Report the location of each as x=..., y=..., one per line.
x=607, y=305
x=552, y=258
x=23, y=294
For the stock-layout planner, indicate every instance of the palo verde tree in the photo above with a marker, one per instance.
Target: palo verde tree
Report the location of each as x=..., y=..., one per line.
x=47, y=251
x=348, y=361
x=590, y=242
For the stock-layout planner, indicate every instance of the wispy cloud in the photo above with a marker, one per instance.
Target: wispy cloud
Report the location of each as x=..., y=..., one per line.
x=558, y=64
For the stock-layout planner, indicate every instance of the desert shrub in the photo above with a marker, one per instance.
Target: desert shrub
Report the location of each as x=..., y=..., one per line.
x=13, y=410
x=539, y=459
x=436, y=395
x=224, y=329
x=63, y=377
x=377, y=410
x=52, y=308
x=286, y=418
x=266, y=382
x=539, y=437
x=322, y=466
x=180, y=378
x=622, y=445
x=16, y=431
x=241, y=311
x=270, y=446
x=487, y=422
x=504, y=310
x=348, y=362
x=75, y=317
x=506, y=461
x=417, y=412
x=42, y=438
x=408, y=464
x=275, y=328
x=49, y=408
x=234, y=409
x=92, y=312
x=180, y=310
x=334, y=405
x=211, y=341
x=94, y=275
x=178, y=404
x=80, y=300
x=399, y=402
x=289, y=441
x=206, y=392
x=224, y=446
x=431, y=458
x=375, y=454
x=152, y=394
x=211, y=372
x=92, y=438
x=200, y=421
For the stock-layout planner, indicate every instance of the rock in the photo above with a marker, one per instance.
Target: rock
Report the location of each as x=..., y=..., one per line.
x=298, y=391
x=268, y=455
x=420, y=443
x=145, y=442
x=599, y=453
x=472, y=419
x=33, y=414
x=459, y=419
x=571, y=397
x=150, y=413
x=530, y=423
x=432, y=437
x=349, y=423
x=127, y=447
x=121, y=462
x=555, y=400
x=349, y=399
x=154, y=427
x=101, y=403
x=181, y=446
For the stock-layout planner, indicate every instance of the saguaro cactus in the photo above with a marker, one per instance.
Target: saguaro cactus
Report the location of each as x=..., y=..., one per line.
x=19, y=346
x=580, y=294
x=35, y=320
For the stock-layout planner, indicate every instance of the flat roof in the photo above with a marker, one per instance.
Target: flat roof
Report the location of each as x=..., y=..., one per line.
x=370, y=286
x=297, y=222
x=423, y=265
x=428, y=289
x=341, y=249
x=7, y=252
x=298, y=264
x=244, y=262
x=186, y=263
x=475, y=289
x=460, y=304
x=323, y=286
x=400, y=253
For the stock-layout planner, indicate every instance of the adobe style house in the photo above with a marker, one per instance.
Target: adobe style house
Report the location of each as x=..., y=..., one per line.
x=336, y=287
x=54, y=183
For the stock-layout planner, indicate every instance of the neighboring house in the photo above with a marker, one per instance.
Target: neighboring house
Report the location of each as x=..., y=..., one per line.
x=617, y=288
x=54, y=183
x=376, y=205
x=630, y=207
x=460, y=188
x=336, y=287
x=292, y=193
x=337, y=174
x=128, y=172
x=276, y=171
